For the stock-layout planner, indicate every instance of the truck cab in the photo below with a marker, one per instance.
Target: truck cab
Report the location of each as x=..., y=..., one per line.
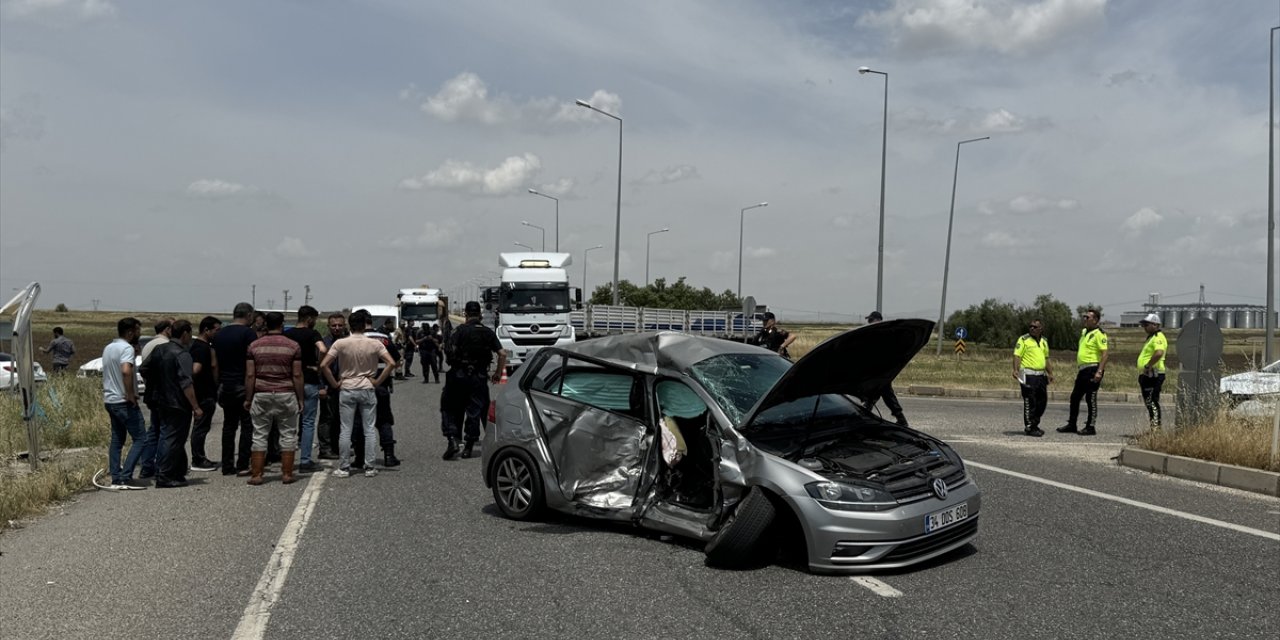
x=531, y=306
x=420, y=307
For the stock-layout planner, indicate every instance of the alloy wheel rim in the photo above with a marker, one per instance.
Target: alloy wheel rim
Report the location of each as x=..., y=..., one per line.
x=515, y=484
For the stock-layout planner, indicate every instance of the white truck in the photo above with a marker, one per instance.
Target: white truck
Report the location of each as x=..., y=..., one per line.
x=531, y=306
x=420, y=307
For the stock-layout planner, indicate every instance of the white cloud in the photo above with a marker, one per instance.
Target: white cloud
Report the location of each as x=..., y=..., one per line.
x=761, y=252
x=1037, y=204
x=1002, y=240
x=560, y=188
x=723, y=262
x=1142, y=219
x=966, y=121
x=434, y=235
x=216, y=189
x=291, y=247
x=668, y=175
x=83, y=10
x=466, y=98
x=1004, y=26
x=512, y=175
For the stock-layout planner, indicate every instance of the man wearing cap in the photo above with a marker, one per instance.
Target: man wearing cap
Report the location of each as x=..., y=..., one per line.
x=1151, y=366
x=1091, y=361
x=773, y=337
x=466, y=386
x=890, y=398
x=1033, y=372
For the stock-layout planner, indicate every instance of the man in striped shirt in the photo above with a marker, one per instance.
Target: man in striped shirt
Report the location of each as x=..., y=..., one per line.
x=274, y=393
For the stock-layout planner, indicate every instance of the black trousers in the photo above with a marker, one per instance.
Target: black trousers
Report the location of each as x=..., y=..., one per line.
x=408, y=363
x=234, y=417
x=1035, y=398
x=200, y=432
x=1087, y=389
x=429, y=361
x=329, y=423
x=890, y=401
x=463, y=402
x=174, y=431
x=1151, y=387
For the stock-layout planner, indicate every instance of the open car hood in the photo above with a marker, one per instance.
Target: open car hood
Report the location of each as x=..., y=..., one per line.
x=858, y=363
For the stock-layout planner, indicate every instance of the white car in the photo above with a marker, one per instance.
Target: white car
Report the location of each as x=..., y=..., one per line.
x=9, y=372
x=94, y=367
x=1245, y=386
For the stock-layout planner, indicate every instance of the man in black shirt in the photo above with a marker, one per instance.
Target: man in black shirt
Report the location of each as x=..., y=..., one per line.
x=231, y=349
x=177, y=398
x=886, y=393
x=428, y=341
x=313, y=348
x=466, y=388
x=206, y=387
x=330, y=421
x=773, y=337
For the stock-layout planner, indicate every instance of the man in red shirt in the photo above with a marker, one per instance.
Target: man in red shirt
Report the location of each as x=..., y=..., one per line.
x=273, y=395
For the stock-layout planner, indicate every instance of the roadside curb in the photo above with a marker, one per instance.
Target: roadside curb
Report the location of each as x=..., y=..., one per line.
x=1226, y=475
x=1013, y=394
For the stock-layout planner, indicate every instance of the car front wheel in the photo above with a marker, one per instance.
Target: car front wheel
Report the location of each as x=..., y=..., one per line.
x=746, y=535
x=517, y=487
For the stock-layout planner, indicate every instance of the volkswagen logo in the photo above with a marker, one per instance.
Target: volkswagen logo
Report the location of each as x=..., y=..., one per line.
x=533, y=328
x=939, y=488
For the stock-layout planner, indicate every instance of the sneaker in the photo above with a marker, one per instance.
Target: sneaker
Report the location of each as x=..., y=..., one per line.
x=370, y=472
x=1067, y=428
x=1088, y=431
x=341, y=473
x=1034, y=432
x=204, y=465
x=127, y=485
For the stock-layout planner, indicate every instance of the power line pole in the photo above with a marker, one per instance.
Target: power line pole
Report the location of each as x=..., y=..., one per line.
x=286, y=300
x=306, y=297
x=271, y=302
x=253, y=296
x=95, y=302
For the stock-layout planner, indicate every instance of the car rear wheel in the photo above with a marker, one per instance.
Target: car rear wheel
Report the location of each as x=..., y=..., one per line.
x=517, y=487
x=746, y=535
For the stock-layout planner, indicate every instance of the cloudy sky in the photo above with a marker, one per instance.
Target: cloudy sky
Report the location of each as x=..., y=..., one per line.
x=169, y=155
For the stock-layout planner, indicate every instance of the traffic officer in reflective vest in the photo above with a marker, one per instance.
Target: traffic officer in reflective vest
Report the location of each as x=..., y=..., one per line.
x=1091, y=358
x=465, y=397
x=1151, y=366
x=1033, y=372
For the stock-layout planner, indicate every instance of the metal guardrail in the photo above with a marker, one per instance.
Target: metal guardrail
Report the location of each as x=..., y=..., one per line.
x=601, y=320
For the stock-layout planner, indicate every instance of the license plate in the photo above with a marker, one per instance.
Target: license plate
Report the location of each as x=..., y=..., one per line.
x=946, y=517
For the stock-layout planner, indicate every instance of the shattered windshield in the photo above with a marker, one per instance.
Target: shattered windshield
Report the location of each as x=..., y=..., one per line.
x=737, y=381
x=535, y=297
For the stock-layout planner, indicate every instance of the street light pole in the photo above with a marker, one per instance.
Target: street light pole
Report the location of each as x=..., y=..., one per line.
x=646, y=252
x=584, y=267
x=1269, y=353
x=884, y=145
x=539, y=193
x=617, y=229
x=521, y=244
x=544, y=232
x=742, y=224
x=951, y=218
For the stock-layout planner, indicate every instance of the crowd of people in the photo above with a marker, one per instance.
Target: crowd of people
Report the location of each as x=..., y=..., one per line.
x=281, y=392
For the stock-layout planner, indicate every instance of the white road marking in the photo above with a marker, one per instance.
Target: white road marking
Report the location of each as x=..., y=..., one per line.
x=1133, y=503
x=877, y=587
x=253, y=623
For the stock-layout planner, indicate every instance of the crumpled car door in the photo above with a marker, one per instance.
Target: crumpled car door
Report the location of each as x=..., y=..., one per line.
x=598, y=454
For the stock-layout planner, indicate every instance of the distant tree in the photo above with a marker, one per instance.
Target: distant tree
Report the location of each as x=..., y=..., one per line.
x=997, y=323
x=660, y=295
x=61, y=308
x=1080, y=309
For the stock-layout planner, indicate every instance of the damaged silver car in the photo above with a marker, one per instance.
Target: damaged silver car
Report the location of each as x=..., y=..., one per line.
x=733, y=445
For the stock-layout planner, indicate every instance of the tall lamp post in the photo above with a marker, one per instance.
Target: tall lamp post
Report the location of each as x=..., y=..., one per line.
x=646, y=252
x=539, y=193
x=584, y=266
x=951, y=218
x=521, y=244
x=742, y=224
x=544, y=232
x=1269, y=353
x=617, y=228
x=884, y=142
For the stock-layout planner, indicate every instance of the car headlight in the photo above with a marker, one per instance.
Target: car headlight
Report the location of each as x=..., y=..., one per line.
x=843, y=496
x=502, y=331
x=566, y=331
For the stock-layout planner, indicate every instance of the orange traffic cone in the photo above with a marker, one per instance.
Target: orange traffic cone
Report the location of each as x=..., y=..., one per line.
x=503, y=380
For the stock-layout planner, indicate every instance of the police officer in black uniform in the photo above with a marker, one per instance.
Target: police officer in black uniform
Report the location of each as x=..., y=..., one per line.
x=773, y=337
x=466, y=385
x=886, y=393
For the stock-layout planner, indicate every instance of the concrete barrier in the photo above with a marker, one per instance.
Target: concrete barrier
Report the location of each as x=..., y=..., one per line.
x=1226, y=475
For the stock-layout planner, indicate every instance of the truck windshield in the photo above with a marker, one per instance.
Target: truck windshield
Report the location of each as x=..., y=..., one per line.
x=416, y=312
x=534, y=297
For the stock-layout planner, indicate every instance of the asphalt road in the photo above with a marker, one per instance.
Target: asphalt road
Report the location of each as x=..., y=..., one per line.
x=421, y=552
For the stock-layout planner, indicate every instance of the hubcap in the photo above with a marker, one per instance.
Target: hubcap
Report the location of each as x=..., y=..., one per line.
x=515, y=484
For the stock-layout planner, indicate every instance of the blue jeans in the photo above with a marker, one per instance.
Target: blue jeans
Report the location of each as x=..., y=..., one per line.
x=153, y=446
x=366, y=401
x=307, y=424
x=126, y=420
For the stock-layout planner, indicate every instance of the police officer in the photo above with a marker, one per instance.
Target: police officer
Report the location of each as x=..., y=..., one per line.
x=1091, y=358
x=773, y=337
x=466, y=391
x=1033, y=372
x=1151, y=366
x=886, y=392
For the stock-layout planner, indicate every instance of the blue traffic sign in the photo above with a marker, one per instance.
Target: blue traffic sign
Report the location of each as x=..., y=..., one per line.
x=961, y=333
